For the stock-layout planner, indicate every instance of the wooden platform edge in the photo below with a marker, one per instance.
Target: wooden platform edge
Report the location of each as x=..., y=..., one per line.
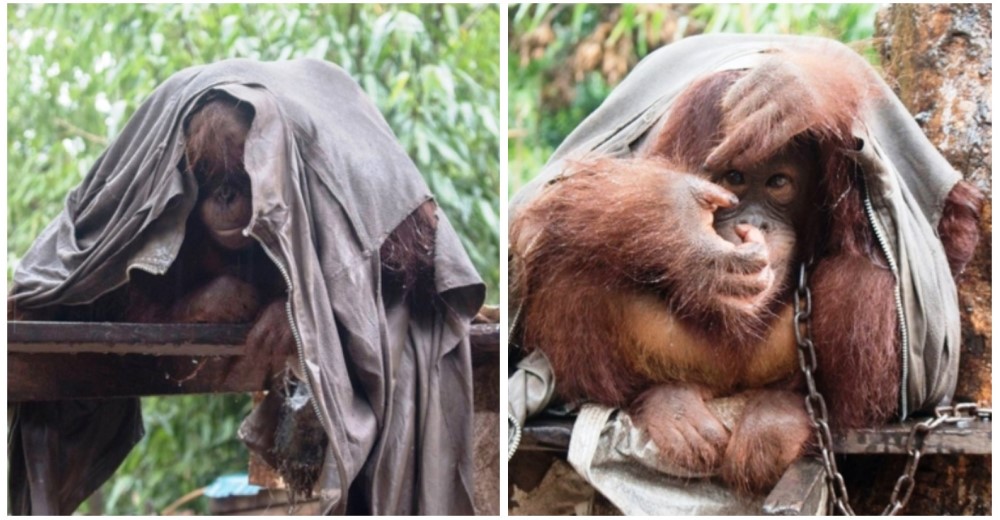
x=968, y=438
x=56, y=364
x=801, y=490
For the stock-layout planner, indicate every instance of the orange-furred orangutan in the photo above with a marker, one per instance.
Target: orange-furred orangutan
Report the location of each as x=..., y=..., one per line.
x=659, y=282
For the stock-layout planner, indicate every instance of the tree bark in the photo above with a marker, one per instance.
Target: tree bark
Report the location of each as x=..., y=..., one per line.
x=938, y=57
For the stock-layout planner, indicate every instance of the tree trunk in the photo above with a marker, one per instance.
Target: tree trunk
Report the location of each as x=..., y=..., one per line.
x=938, y=57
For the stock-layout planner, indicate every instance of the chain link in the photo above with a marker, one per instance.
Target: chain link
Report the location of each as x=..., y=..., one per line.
x=816, y=408
x=815, y=404
x=915, y=445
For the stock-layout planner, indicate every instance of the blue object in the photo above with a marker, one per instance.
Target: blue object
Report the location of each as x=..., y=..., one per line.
x=232, y=485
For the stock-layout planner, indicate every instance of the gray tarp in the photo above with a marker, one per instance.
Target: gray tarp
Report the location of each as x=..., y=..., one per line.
x=907, y=179
x=329, y=183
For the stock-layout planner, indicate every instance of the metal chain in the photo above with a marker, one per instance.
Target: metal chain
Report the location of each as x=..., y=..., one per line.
x=816, y=408
x=815, y=404
x=915, y=445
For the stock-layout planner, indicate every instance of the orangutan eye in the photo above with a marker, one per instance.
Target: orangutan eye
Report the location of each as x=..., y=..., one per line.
x=225, y=193
x=734, y=178
x=779, y=181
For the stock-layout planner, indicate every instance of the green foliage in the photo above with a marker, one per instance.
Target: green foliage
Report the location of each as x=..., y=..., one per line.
x=546, y=38
x=77, y=72
x=189, y=441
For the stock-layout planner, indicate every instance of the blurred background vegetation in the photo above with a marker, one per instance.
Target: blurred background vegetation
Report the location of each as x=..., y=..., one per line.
x=77, y=72
x=565, y=59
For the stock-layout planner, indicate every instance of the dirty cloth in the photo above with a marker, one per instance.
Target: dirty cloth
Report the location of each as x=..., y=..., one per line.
x=330, y=182
x=906, y=178
x=529, y=390
x=606, y=446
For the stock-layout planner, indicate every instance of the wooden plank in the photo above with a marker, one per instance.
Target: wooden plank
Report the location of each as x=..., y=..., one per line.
x=49, y=377
x=972, y=437
x=485, y=338
x=40, y=337
x=801, y=490
x=53, y=361
x=969, y=438
x=546, y=435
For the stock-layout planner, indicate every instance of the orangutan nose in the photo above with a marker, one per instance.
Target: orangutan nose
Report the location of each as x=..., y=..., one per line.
x=749, y=234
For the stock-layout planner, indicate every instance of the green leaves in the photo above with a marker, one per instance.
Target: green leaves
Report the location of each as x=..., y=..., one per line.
x=189, y=441
x=565, y=59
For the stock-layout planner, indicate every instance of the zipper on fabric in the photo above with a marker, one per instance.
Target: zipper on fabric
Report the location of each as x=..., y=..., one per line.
x=291, y=323
x=514, y=438
x=900, y=312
